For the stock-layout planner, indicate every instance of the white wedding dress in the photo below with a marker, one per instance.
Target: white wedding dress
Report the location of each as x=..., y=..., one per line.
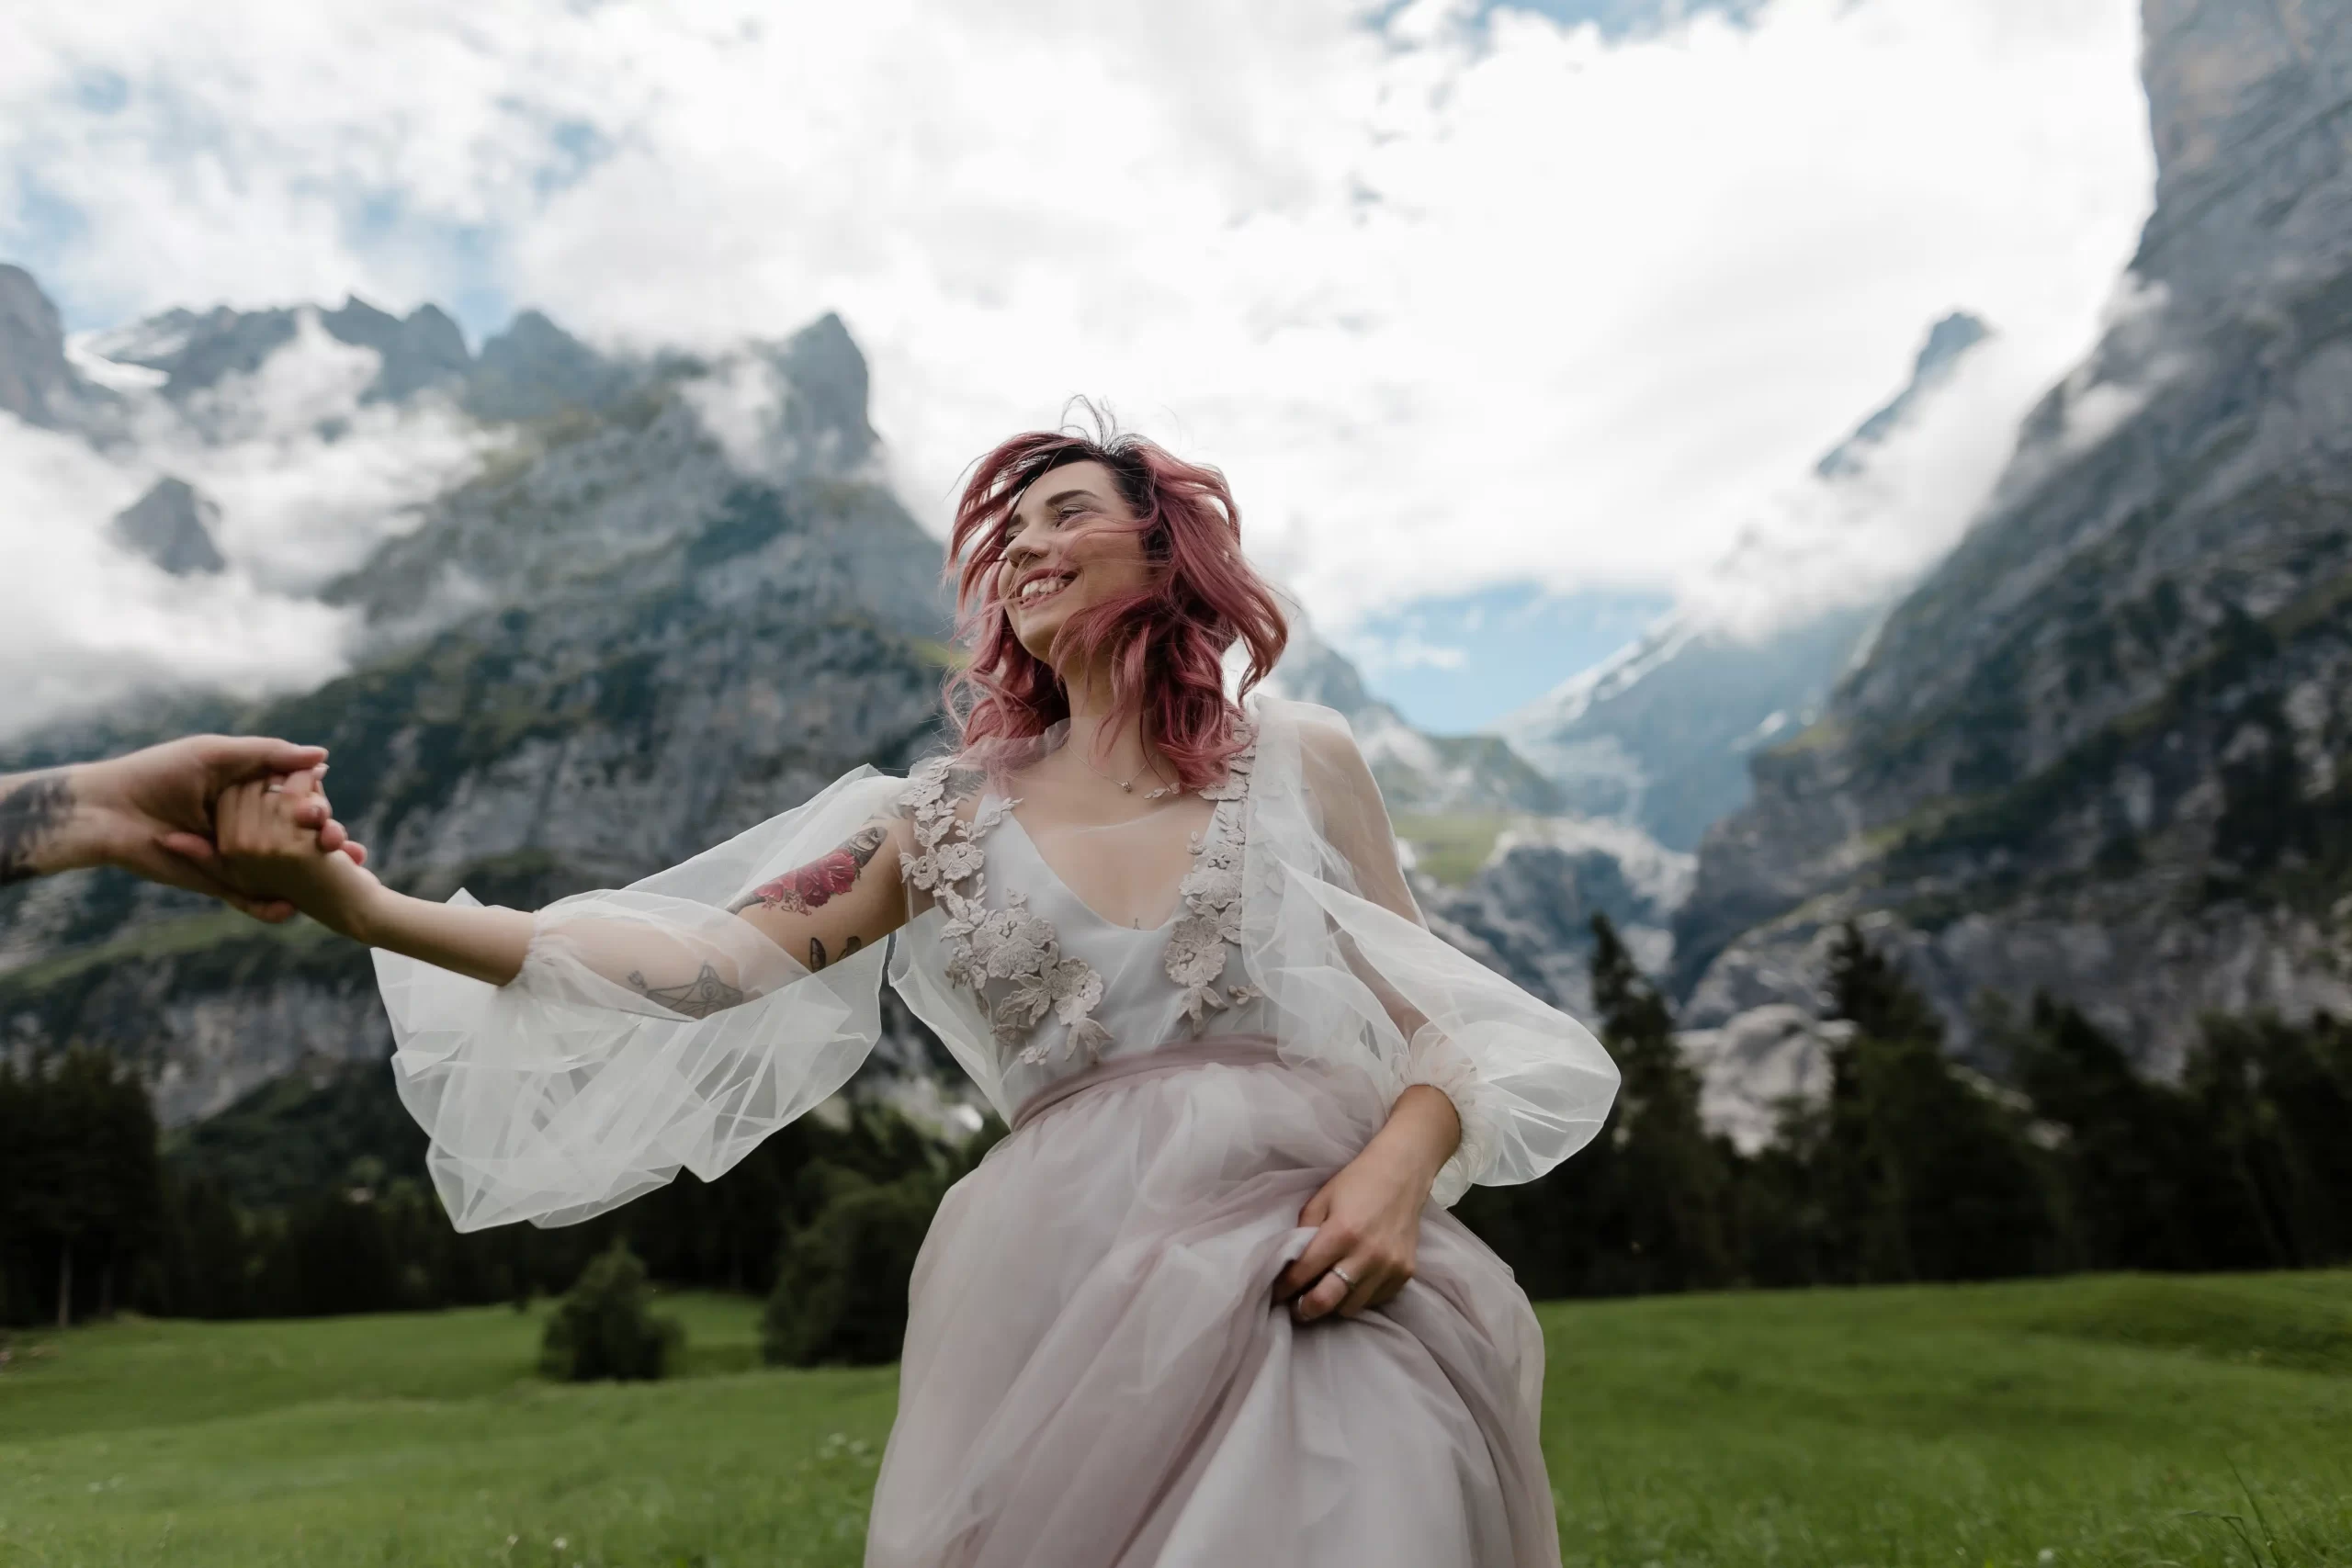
x=1095, y=1371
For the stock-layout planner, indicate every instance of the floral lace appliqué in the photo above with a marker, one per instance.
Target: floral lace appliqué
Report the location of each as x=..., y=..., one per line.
x=984, y=944
x=1211, y=896
x=1012, y=944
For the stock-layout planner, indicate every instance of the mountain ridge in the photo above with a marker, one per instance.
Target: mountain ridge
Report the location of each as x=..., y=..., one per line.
x=682, y=601
x=2100, y=751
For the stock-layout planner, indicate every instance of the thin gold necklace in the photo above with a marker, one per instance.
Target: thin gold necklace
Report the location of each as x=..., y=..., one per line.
x=1127, y=786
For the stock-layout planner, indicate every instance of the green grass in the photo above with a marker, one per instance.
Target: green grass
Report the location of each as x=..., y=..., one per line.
x=1451, y=847
x=2115, y=1420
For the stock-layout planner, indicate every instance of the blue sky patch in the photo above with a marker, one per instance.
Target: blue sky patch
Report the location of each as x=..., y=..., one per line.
x=1619, y=19
x=1458, y=662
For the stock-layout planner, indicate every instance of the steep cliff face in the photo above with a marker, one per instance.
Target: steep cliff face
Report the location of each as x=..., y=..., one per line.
x=2102, y=750
x=38, y=383
x=677, y=604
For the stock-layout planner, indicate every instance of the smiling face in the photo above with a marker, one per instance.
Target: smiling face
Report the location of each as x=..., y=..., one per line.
x=1073, y=545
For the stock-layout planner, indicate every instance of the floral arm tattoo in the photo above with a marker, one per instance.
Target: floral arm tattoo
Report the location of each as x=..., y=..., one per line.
x=698, y=998
x=818, y=881
x=801, y=892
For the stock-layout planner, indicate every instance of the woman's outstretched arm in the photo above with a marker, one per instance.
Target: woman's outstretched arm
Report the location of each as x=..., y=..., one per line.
x=817, y=914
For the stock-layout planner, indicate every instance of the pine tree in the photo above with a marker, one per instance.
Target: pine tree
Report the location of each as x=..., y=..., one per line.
x=206, y=1254
x=2276, y=1100
x=2138, y=1169
x=1671, y=1181
x=17, y=1135
x=88, y=1173
x=1920, y=1173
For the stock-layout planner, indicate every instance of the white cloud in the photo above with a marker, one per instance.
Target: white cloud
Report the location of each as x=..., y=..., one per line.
x=1450, y=304
x=1380, y=655
x=1819, y=543
x=309, y=477
x=87, y=623
x=306, y=480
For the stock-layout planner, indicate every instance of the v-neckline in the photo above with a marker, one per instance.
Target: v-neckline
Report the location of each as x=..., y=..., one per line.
x=1039, y=854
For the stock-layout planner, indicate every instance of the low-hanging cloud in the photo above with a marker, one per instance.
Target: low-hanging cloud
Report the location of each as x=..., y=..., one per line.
x=1452, y=300
x=303, y=477
x=86, y=622
x=1860, y=537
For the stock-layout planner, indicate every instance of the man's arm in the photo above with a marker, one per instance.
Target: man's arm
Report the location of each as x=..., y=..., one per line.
x=152, y=813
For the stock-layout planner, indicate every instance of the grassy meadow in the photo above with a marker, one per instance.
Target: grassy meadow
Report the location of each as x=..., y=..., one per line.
x=2121, y=1419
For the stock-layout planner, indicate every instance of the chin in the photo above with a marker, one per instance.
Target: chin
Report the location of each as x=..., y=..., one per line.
x=1038, y=636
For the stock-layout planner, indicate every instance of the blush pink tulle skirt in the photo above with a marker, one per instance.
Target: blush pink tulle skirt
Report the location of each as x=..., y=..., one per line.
x=1096, y=1372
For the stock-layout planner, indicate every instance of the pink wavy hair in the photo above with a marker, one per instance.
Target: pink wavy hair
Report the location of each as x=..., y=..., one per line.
x=1165, y=647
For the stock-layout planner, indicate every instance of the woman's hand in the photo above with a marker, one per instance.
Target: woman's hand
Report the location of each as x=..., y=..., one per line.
x=1367, y=1219
x=272, y=846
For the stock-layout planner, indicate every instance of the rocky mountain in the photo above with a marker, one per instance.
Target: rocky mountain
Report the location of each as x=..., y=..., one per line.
x=1660, y=734
x=1501, y=868
x=194, y=353
x=2101, y=750
x=1526, y=910
x=674, y=597
x=38, y=383
x=172, y=526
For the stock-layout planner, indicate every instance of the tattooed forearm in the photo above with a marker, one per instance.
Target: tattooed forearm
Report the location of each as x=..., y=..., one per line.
x=698, y=998
x=31, y=813
x=820, y=881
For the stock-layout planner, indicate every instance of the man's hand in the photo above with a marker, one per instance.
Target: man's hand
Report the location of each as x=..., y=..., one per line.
x=152, y=813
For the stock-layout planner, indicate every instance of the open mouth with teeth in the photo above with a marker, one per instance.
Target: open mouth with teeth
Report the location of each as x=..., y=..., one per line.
x=1042, y=587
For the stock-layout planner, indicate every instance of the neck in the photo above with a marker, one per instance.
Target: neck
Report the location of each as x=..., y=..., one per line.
x=1110, y=745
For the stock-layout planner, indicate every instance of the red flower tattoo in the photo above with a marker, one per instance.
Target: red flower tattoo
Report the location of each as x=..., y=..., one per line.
x=814, y=884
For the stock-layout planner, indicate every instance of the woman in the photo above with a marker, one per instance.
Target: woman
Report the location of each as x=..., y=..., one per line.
x=1204, y=1305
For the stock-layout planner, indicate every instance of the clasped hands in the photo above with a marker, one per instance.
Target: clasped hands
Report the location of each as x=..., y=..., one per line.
x=243, y=818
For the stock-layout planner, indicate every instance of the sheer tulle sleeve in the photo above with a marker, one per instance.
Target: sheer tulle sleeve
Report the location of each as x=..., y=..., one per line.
x=1333, y=934
x=649, y=1030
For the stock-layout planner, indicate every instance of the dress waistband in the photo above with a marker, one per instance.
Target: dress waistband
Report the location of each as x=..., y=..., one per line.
x=1211, y=1050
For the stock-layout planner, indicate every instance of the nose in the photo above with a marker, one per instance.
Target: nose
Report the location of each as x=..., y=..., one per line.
x=1021, y=552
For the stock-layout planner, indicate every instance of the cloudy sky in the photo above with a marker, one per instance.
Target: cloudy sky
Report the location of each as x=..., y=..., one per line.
x=1488, y=309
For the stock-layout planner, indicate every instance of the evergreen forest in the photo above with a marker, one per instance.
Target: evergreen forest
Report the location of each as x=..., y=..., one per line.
x=310, y=1197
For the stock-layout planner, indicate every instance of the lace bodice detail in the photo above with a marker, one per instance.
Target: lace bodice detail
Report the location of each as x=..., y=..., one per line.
x=1005, y=943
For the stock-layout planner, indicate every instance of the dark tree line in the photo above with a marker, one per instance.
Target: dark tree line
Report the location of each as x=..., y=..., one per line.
x=1918, y=1168
x=310, y=1197
x=80, y=1183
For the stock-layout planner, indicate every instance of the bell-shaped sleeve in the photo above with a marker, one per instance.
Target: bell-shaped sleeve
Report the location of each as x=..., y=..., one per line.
x=1333, y=935
x=649, y=1030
